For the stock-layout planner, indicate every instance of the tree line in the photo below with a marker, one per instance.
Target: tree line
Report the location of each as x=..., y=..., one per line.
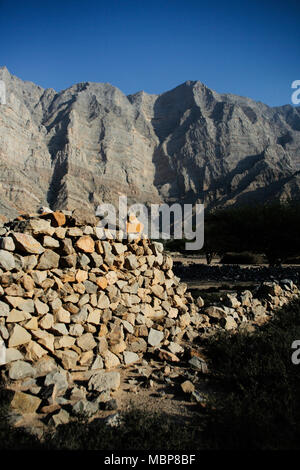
x=272, y=229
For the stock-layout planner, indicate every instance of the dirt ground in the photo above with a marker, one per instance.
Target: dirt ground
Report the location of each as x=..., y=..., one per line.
x=161, y=391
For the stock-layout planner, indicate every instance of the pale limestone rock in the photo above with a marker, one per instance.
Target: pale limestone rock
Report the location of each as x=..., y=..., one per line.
x=18, y=336
x=86, y=342
x=20, y=369
x=104, y=381
x=110, y=359
x=155, y=337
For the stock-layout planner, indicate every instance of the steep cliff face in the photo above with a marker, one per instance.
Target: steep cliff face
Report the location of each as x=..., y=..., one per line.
x=90, y=143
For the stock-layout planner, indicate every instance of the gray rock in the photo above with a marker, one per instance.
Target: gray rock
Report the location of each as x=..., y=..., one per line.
x=85, y=408
x=7, y=261
x=114, y=420
x=50, y=242
x=7, y=243
x=90, y=287
x=58, y=379
x=12, y=354
x=198, y=364
x=130, y=357
x=45, y=366
x=78, y=393
x=48, y=260
x=83, y=260
x=98, y=363
x=131, y=262
x=20, y=369
x=155, y=337
x=4, y=309
x=104, y=381
x=175, y=348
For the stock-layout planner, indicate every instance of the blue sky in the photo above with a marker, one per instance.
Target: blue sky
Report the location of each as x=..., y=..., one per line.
x=250, y=48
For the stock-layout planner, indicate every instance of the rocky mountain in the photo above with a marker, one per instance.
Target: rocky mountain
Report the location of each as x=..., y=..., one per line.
x=89, y=143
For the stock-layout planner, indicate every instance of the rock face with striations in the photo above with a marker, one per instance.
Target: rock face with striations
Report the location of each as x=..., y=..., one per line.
x=89, y=143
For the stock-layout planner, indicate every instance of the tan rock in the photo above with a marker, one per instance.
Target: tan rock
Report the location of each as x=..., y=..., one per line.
x=81, y=275
x=50, y=242
x=178, y=301
x=28, y=282
x=79, y=288
x=19, y=336
x=130, y=357
x=98, y=247
x=76, y=329
x=103, y=330
x=11, y=355
x=60, y=232
x=41, y=307
x=47, y=321
x=64, y=342
x=173, y=312
x=229, y=323
x=158, y=291
x=102, y=282
x=45, y=339
x=16, y=316
x=57, y=218
x=94, y=317
x=27, y=305
x=184, y=320
x=24, y=403
x=74, y=232
x=62, y=316
x=27, y=243
x=48, y=260
x=60, y=329
x=200, y=302
x=69, y=359
x=103, y=301
x=110, y=359
x=118, y=347
x=86, y=244
x=86, y=342
x=86, y=358
x=215, y=312
x=34, y=351
x=111, y=277
x=187, y=387
x=167, y=356
x=68, y=276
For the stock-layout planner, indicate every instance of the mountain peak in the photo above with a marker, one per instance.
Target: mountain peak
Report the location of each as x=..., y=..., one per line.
x=90, y=142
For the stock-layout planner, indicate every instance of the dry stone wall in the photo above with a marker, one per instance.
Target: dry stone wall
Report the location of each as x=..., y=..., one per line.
x=247, y=309
x=74, y=309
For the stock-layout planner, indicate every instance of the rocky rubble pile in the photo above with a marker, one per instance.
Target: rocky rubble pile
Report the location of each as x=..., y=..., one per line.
x=73, y=307
x=248, y=309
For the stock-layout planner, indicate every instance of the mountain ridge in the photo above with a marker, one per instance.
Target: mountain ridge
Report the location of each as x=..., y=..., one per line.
x=90, y=142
